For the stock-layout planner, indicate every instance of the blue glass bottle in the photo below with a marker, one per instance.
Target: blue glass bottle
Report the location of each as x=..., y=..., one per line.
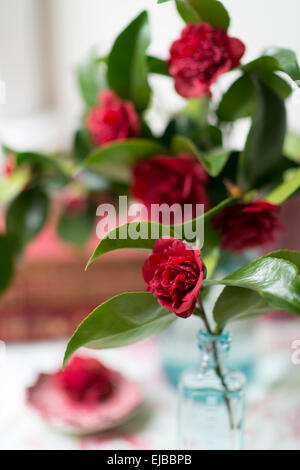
x=211, y=399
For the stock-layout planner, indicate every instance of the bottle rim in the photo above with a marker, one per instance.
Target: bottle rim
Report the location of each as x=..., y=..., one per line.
x=224, y=338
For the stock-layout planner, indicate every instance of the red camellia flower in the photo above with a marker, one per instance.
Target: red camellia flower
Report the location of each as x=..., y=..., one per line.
x=170, y=180
x=199, y=56
x=86, y=398
x=247, y=225
x=113, y=119
x=174, y=274
x=86, y=380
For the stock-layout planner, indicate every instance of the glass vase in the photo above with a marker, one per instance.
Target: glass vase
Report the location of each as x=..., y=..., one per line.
x=211, y=399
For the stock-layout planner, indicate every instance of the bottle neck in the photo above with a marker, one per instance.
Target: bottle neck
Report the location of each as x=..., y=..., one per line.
x=214, y=349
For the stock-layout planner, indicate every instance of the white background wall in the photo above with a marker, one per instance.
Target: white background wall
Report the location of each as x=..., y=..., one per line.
x=42, y=41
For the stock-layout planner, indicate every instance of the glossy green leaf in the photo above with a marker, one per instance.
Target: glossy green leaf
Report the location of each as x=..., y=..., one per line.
x=236, y=303
x=285, y=189
x=292, y=256
x=89, y=81
x=7, y=262
x=274, y=278
x=142, y=235
x=11, y=186
x=209, y=11
x=116, y=160
x=287, y=61
x=277, y=84
x=127, y=63
x=122, y=320
x=119, y=238
x=26, y=216
x=266, y=69
x=76, y=228
x=239, y=100
x=157, y=66
x=261, y=66
x=213, y=161
x=187, y=12
x=263, y=150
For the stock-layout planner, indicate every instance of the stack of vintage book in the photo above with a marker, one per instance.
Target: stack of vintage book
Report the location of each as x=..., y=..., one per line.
x=51, y=292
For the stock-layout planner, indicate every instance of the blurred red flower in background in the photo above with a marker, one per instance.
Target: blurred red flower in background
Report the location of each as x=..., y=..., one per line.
x=86, y=379
x=113, y=119
x=174, y=274
x=247, y=225
x=9, y=164
x=74, y=202
x=171, y=180
x=199, y=56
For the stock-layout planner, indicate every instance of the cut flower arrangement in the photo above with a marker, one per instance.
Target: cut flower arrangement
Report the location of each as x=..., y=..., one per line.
x=242, y=192
x=116, y=152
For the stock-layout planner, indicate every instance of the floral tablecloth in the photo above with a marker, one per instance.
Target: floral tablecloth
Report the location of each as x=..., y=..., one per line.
x=273, y=405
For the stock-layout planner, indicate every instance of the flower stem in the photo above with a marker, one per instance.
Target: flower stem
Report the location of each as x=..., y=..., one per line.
x=218, y=368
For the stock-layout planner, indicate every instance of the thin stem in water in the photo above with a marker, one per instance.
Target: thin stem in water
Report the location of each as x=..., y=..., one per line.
x=218, y=368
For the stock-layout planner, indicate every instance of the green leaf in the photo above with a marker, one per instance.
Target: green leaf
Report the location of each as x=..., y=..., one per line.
x=76, y=228
x=261, y=66
x=211, y=249
x=127, y=63
x=209, y=11
x=121, y=237
x=11, y=186
x=239, y=100
x=287, y=61
x=7, y=262
x=198, y=109
x=88, y=76
x=26, y=216
x=37, y=159
x=213, y=161
x=116, y=160
x=292, y=256
x=82, y=145
x=187, y=12
x=285, y=190
x=162, y=1
x=277, y=84
x=122, y=320
x=263, y=150
x=236, y=303
x=274, y=277
x=157, y=66
x=291, y=148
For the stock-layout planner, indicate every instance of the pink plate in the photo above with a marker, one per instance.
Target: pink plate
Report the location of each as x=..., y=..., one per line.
x=55, y=407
